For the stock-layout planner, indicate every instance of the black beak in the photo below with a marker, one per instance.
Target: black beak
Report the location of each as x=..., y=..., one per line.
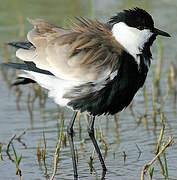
x=159, y=32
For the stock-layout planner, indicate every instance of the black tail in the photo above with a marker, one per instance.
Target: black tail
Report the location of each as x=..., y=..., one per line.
x=28, y=66
x=23, y=81
x=20, y=80
x=21, y=44
x=16, y=66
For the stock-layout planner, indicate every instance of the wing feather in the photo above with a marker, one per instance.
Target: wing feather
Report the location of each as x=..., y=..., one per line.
x=87, y=52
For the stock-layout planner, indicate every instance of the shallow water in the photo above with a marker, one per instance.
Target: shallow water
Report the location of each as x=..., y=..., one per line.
x=122, y=135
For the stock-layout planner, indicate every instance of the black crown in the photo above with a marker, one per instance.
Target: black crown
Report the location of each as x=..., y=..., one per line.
x=134, y=17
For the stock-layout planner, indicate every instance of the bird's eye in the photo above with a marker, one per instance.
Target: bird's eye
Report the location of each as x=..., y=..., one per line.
x=141, y=28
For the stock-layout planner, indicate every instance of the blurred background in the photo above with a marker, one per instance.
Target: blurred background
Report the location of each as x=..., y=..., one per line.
x=127, y=140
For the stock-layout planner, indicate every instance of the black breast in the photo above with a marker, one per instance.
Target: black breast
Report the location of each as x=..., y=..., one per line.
x=118, y=93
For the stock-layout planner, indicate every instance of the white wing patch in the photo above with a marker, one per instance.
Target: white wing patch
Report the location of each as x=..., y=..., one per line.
x=112, y=75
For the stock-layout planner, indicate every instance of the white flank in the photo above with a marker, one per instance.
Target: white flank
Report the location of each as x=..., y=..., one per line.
x=57, y=87
x=132, y=39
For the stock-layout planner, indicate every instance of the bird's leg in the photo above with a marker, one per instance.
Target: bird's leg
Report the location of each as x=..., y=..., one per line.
x=70, y=138
x=92, y=137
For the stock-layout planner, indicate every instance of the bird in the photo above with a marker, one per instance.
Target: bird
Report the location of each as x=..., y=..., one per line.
x=91, y=67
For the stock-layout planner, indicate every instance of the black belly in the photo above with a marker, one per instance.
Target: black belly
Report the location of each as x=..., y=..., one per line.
x=117, y=94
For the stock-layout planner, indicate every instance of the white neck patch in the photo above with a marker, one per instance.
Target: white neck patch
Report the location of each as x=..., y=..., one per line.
x=132, y=39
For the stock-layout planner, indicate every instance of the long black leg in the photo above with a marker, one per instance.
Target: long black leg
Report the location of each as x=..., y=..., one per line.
x=70, y=138
x=92, y=137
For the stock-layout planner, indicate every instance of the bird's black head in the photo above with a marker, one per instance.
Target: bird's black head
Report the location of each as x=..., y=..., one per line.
x=137, y=18
x=134, y=30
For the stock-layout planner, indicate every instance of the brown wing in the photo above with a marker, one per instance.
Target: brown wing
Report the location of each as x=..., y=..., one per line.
x=95, y=40
x=87, y=52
